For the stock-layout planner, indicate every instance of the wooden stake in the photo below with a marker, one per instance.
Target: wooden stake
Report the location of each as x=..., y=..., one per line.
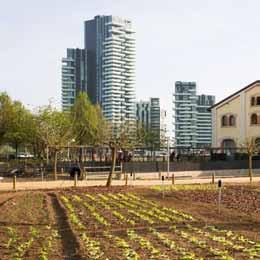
x=126, y=179
x=14, y=183
x=173, y=179
x=213, y=178
x=75, y=179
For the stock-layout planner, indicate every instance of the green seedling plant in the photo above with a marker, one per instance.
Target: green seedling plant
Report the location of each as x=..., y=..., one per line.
x=92, y=247
x=23, y=247
x=146, y=244
x=128, y=252
x=47, y=246
x=13, y=237
x=182, y=252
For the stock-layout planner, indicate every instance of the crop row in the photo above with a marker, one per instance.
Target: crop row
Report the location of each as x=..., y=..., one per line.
x=132, y=235
x=129, y=207
x=20, y=247
x=92, y=246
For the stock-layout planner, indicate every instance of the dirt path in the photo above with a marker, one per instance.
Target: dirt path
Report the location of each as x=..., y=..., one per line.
x=70, y=244
x=38, y=185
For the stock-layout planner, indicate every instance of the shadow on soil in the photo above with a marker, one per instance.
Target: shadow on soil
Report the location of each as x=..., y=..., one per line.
x=69, y=241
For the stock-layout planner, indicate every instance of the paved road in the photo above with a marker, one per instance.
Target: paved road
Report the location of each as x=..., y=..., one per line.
x=35, y=185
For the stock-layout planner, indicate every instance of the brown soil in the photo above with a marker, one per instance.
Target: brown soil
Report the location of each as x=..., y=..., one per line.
x=22, y=210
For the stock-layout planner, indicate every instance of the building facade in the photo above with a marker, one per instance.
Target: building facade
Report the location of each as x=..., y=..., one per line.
x=236, y=119
x=74, y=71
x=143, y=114
x=110, y=46
x=203, y=123
x=163, y=128
x=149, y=115
x=191, y=118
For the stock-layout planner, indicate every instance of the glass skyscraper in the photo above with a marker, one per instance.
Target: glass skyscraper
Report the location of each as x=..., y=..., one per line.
x=148, y=115
x=192, y=120
x=110, y=47
x=74, y=73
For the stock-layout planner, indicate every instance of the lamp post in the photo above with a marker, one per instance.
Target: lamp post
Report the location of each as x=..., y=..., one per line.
x=168, y=157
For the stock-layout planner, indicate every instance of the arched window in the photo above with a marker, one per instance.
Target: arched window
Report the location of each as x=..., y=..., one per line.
x=257, y=143
x=254, y=119
x=228, y=143
x=258, y=101
x=252, y=101
x=224, y=121
x=232, y=120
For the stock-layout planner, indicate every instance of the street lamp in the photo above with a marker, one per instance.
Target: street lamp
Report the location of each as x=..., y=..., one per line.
x=168, y=157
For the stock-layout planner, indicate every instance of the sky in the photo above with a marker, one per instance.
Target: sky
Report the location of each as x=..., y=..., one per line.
x=215, y=43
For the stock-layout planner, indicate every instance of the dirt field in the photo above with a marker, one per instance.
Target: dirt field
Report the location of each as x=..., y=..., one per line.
x=132, y=223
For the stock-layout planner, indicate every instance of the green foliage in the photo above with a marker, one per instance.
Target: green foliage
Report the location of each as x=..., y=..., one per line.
x=16, y=122
x=53, y=126
x=145, y=137
x=6, y=114
x=88, y=125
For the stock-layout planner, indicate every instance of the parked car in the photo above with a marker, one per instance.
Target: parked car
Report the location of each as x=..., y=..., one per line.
x=24, y=155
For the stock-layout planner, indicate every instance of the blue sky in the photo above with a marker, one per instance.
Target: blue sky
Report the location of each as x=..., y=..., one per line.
x=215, y=43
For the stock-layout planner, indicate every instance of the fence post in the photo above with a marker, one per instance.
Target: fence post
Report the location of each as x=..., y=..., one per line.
x=75, y=179
x=134, y=176
x=160, y=175
x=42, y=174
x=126, y=179
x=173, y=179
x=14, y=182
x=213, y=178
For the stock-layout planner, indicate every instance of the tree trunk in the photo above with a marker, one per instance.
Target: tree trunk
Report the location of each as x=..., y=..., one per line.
x=16, y=150
x=250, y=167
x=109, y=179
x=55, y=164
x=80, y=154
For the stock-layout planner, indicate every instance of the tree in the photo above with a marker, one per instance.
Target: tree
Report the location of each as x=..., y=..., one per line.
x=54, y=129
x=6, y=115
x=122, y=137
x=146, y=137
x=20, y=126
x=84, y=118
x=89, y=125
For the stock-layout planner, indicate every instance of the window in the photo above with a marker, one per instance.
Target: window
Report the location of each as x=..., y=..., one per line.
x=228, y=143
x=257, y=143
x=255, y=101
x=228, y=120
x=224, y=121
x=254, y=119
x=232, y=120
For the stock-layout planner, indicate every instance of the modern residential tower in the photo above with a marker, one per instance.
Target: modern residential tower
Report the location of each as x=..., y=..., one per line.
x=110, y=46
x=192, y=120
x=74, y=71
x=152, y=118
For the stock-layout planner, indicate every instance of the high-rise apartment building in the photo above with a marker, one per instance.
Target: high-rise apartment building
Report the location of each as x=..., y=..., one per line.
x=204, y=122
x=148, y=114
x=163, y=128
x=110, y=46
x=143, y=114
x=192, y=120
x=74, y=71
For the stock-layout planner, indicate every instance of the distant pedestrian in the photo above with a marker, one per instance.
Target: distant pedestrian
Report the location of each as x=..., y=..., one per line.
x=178, y=157
x=172, y=156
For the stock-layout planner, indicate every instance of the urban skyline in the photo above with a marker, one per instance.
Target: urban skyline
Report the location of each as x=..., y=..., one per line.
x=208, y=47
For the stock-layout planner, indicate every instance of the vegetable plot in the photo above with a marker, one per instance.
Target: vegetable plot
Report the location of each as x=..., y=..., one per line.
x=75, y=224
x=127, y=226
